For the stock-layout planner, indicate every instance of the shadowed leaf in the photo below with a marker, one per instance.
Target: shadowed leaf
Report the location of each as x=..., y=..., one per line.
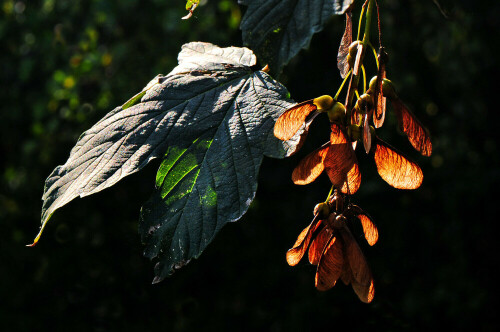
x=381, y=101
x=330, y=265
x=278, y=29
x=362, y=280
x=367, y=136
x=395, y=169
x=417, y=134
x=318, y=244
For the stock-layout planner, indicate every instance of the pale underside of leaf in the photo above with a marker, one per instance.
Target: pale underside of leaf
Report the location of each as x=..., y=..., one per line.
x=396, y=169
x=278, y=29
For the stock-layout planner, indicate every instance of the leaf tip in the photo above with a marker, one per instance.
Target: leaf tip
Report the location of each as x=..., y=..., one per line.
x=156, y=280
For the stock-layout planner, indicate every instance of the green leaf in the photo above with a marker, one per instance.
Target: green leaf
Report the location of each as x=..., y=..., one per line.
x=278, y=29
x=211, y=119
x=209, y=173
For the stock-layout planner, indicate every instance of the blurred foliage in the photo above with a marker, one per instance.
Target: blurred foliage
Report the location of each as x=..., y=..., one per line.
x=64, y=64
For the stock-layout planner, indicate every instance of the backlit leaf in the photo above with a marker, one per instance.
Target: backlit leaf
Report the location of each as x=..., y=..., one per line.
x=311, y=166
x=341, y=162
x=318, y=243
x=278, y=29
x=330, y=265
x=417, y=134
x=294, y=255
x=292, y=120
x=362, y=279
x=396, y=169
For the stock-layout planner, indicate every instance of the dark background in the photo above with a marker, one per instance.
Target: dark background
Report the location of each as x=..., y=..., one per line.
x=65, y=64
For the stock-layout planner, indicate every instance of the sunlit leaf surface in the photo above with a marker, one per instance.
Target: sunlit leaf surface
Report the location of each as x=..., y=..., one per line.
x=278, y=29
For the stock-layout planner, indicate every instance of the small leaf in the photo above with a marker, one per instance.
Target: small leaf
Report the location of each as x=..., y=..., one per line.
x=396, y=169
x=362, y=280
x=417, y=134
x=341, y=163
x=292, y=120
x=380, y=99
x=294, y=255
x=346, y=41
x=330, y=265
x=318, y=243
x=311, y=166
x=278, y=29
x=369, y=228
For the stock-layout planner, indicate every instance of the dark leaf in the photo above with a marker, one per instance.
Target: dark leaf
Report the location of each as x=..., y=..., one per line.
x=209, y=173
x=211, y=119
x=278, y=29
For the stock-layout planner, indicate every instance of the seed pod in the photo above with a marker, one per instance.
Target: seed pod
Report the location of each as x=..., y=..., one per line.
x=354, y=132
x=337, y=112
x=350, y=60
x=366, y=100
x=388, y=89
x=323, y=103
x=353, y=48
x=322, y=210
x=339, y=221
x=371, y=86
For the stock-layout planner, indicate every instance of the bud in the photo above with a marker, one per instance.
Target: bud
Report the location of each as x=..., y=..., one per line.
x=336, y=113
x=388, y=89
x=322, y=210
x=323, y=103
